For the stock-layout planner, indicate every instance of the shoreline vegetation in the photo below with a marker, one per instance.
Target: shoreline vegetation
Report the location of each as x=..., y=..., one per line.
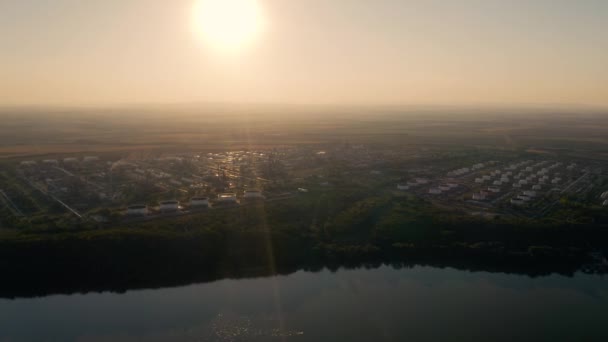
x=310, y=232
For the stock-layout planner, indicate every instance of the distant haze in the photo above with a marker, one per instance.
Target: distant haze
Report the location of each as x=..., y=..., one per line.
x=385, y=52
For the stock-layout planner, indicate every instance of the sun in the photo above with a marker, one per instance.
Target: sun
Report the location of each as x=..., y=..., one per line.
x=228, y=24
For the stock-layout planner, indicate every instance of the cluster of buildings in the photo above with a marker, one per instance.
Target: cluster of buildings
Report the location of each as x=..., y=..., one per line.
x=89, y=183
x=197, y=203
x=442, y=188
x=467, y=170
x=525, y=180
x=536, y=178
x=57, y=162
x=411, y=184
x=193, y=181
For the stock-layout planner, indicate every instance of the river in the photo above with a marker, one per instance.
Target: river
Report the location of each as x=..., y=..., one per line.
x=381, y=304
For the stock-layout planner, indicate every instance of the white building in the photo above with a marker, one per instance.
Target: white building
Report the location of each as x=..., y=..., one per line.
x=444, y=188
x=494, y=189
x=422, y=180
x=169, y=206
x=28, y=163
x=50, y=162
x=253, y=194
x=199, y=202
x=403, y=187
x=226, y=198
x=137, y=210
x=434, y=191
x=530, y=193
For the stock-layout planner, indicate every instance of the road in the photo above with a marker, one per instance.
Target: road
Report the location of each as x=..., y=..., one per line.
x=70, y=209
x=11, y=204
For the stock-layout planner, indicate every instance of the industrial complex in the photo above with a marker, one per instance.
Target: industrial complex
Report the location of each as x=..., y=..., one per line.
x=108, y=189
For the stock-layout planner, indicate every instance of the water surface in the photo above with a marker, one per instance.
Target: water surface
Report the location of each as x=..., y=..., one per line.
x=384, y=304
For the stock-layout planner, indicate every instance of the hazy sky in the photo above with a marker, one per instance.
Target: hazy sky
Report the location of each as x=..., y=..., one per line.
x=311, y=51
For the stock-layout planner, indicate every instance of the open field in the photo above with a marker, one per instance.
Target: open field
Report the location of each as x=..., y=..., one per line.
x=39, y=132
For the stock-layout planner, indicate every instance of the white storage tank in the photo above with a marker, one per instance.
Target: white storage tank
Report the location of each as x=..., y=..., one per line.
x=137, y=210
x=199, y=202
x=169, y=206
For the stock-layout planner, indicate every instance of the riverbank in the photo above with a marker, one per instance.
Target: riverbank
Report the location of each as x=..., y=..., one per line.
x=300, y=234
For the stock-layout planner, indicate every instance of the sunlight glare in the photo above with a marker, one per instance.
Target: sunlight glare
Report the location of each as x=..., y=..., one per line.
x=228, y=24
